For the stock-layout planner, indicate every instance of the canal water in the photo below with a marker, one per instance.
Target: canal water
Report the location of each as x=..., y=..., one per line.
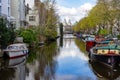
x=65, y=59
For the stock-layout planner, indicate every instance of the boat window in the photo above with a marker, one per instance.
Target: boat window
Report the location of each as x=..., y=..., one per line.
x=12, y=47
x=96, y=51
x=22, y=47
x=9, y=47
x=15, y=47
x=103, y=51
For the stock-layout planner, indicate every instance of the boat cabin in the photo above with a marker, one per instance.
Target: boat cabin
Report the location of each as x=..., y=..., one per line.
x=105, y=43
x=111, y=49
x=17, y=47
x=106, y=51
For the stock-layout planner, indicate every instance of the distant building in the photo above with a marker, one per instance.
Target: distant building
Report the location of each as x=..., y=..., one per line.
x=18, y=12
x=67, y=26
x=33, y=17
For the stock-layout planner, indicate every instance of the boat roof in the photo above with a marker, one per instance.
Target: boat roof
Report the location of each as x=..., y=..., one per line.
x=18, y=44
x=104, y=42
x=90, y=38
x=113, y=46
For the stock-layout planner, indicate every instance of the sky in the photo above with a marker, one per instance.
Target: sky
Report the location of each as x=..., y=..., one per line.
x=71, y=10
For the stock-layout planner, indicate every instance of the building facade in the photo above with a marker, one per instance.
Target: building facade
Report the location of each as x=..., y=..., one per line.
x=5, y=9
x=18, y=12
x=33, y=18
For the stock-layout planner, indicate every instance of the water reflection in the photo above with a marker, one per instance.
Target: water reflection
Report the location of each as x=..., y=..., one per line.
x=61, y=41
x=72, y=63
x=104, y=72
x=81, y=45
x=13, y=69
x=53, y=61
x=59, y=62
x=43, y=67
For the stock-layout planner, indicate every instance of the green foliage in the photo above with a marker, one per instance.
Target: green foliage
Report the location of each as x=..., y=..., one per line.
x=32, y=56
x=105, y=13
x=61, y=29
x=28, y=35
x=50, y=34
x=103, y=32
x=48, y=19
x=19, y=31
x=45, y=53
x=12, y=33
x=81, y=45
x=118, y=37
x=7, y=34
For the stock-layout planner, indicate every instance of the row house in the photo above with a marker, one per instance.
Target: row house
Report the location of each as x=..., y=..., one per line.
x=33, y=18
x=18, y=12
x=14, y=11
x=36, y=16
x=5, y=9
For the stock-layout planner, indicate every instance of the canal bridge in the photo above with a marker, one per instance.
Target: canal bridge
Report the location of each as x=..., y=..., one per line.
x=67, y=29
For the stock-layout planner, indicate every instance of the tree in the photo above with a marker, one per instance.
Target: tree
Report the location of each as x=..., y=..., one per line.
x=61, y=29
x=7, y=34
x=28, y=36
x=105, y=14
x=48, y=19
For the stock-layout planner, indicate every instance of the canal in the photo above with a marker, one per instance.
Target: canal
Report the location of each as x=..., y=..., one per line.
x=65, y=59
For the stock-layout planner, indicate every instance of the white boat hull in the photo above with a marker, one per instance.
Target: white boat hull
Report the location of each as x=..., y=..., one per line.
x=16, y=50
x=14, y=54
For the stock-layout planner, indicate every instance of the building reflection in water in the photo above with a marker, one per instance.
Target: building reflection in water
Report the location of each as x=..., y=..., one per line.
x=13, y=69
x=59, y=61
x=44, y=65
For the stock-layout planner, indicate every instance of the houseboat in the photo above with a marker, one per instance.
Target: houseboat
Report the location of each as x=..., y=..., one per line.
x=99, y=38
x=90, y=42
x=108, y=55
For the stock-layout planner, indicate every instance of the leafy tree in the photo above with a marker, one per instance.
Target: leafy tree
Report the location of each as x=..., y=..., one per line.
x=7, y=34
x=12, y=33
x=61, y=29
x=105, y=14
x=48, y=19
x=50, y=34
x=103, y=32
x=28, y=36
x=118, y=37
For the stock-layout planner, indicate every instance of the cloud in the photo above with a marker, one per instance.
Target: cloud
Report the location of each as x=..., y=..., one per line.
x=74, y=14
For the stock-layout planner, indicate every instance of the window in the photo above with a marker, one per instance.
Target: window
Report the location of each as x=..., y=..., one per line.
x=0, y=10
x=31, y=18
x=8, y=1
x=8, y=11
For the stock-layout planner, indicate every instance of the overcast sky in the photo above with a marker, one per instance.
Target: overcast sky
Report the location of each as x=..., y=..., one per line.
x=72, y=10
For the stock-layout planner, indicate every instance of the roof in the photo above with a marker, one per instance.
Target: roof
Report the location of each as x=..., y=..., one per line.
x=18, y=44
x=104, y=42
x=113, y=46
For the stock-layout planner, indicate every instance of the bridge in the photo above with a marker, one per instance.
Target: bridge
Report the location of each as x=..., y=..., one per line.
x=67, y=29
